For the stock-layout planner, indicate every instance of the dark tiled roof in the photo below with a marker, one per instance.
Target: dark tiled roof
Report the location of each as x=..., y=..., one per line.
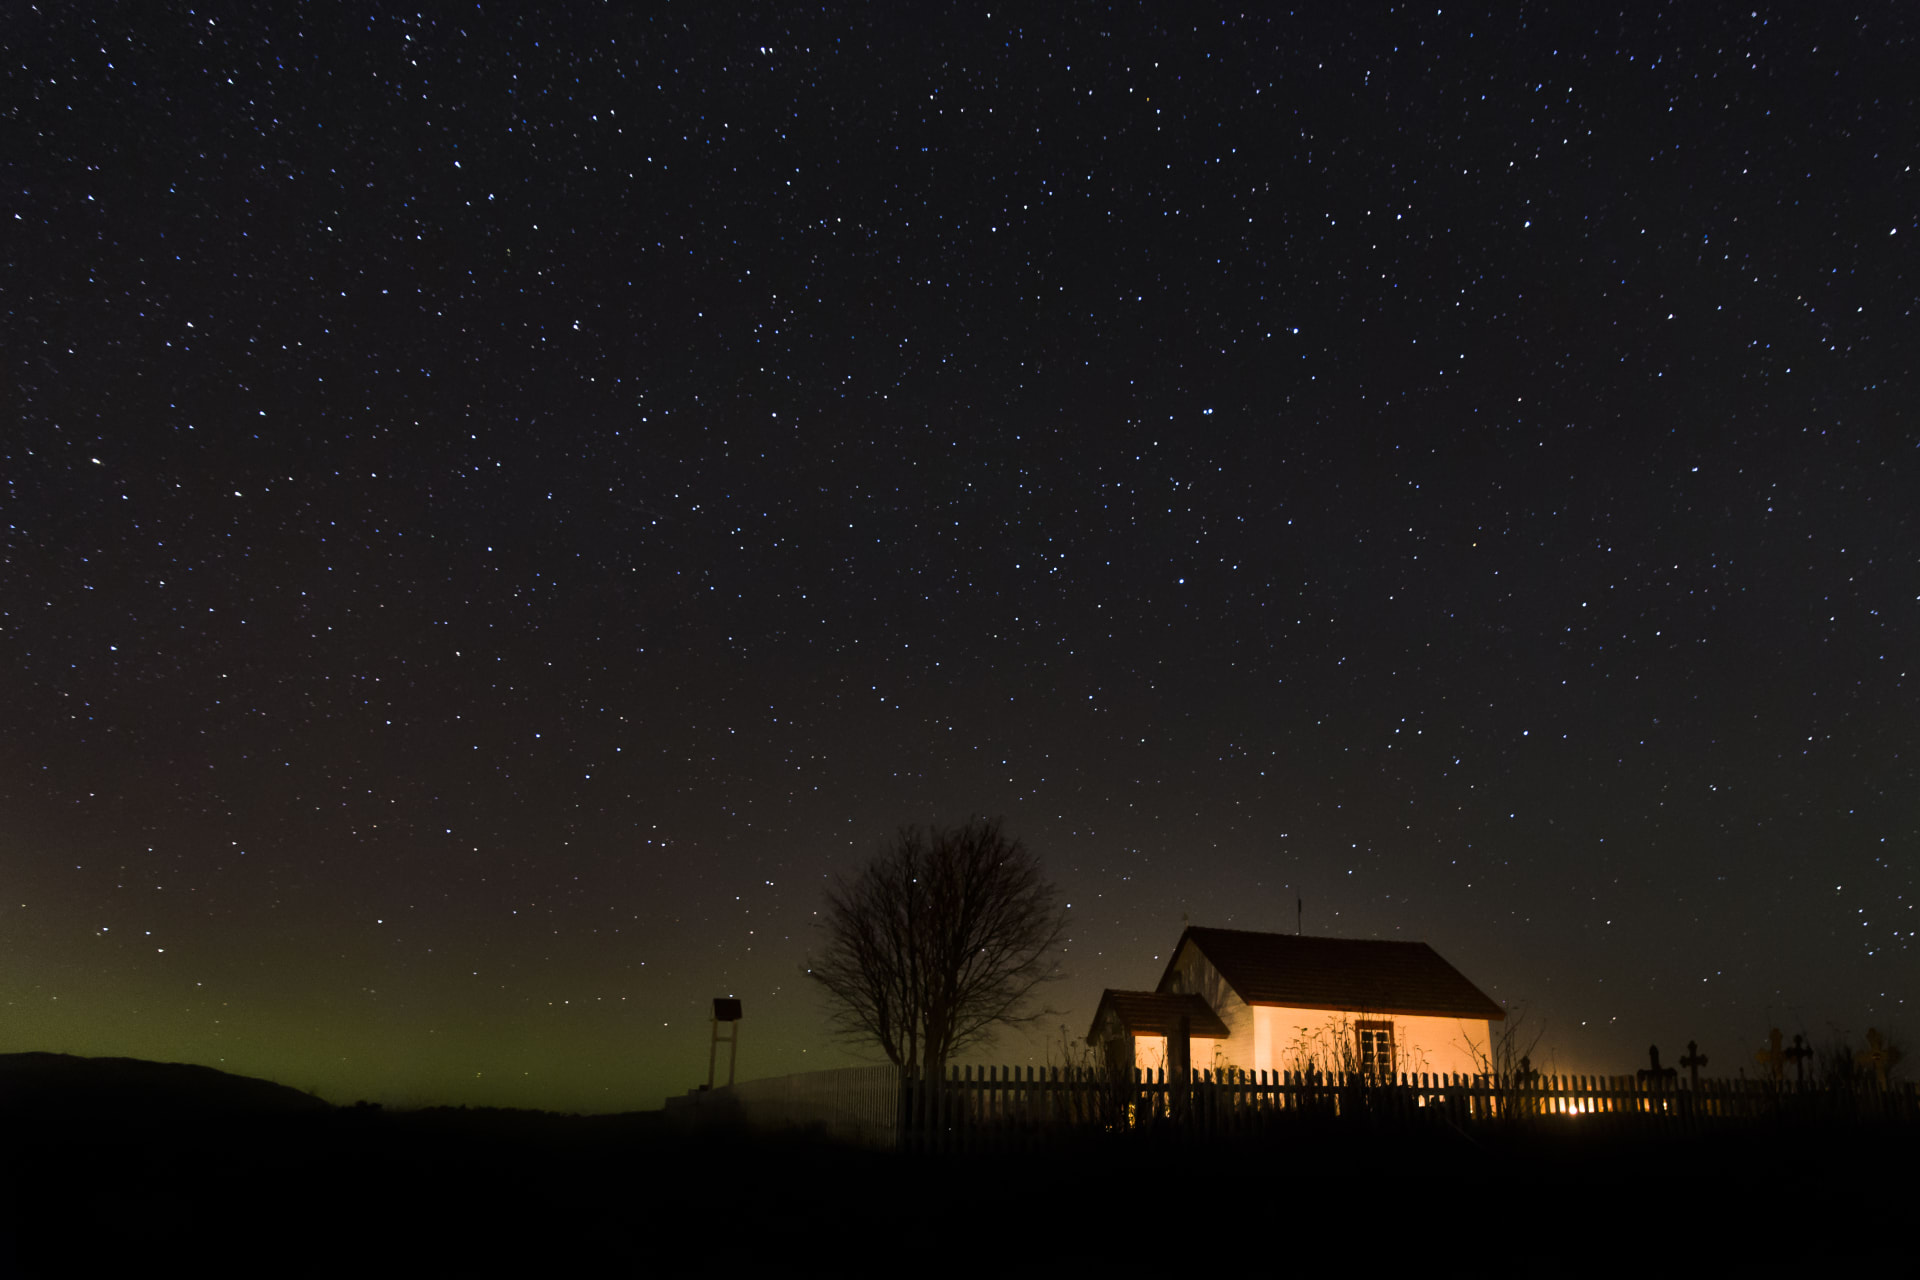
x=1157, y=1013
x=1365, y=974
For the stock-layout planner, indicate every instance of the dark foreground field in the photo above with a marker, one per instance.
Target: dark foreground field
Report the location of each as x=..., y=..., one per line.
x=115, y=1177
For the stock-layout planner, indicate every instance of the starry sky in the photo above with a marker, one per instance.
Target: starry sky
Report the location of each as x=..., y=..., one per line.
x=500, y=506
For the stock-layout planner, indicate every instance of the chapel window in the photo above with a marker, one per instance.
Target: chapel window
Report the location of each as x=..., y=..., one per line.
x=1375, y=1046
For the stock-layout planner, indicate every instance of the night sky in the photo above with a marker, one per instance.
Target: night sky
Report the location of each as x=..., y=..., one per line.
x=499, y=508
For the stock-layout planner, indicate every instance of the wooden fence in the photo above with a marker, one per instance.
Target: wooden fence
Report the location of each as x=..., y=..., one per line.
x=997, y=1107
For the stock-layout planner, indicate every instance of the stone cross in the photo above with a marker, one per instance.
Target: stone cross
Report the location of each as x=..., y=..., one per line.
x=1655, y=1074
x=1773, y=1058
x=1693, y=1062
x=1798, y=1055
x=1879, y=1055
x=1526, y=1076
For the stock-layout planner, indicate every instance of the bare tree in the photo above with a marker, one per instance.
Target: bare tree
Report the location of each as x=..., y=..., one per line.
x=940, y=940
x=1510, y=1043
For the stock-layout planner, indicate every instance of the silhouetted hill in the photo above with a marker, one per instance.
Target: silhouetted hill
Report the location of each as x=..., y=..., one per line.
x=141, y=1164
x=44, y=1083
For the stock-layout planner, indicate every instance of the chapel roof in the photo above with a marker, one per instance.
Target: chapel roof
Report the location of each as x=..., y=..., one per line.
x=1361, y=974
